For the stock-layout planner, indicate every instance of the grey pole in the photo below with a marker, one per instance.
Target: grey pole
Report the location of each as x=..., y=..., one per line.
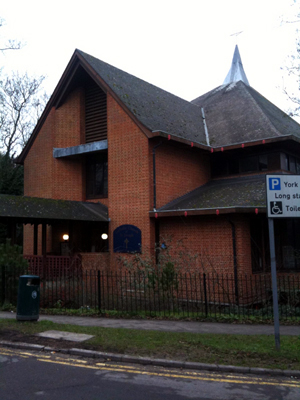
x=274, y=282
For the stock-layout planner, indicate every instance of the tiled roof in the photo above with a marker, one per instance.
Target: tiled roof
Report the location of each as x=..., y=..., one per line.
x=155, y=108
x=31, y=208
x=236, y=113
x=240, y=192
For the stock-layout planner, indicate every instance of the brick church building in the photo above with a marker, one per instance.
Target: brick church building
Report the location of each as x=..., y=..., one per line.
x=122, y=166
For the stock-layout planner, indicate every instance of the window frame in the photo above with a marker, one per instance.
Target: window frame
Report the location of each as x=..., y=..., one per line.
x=92, y=161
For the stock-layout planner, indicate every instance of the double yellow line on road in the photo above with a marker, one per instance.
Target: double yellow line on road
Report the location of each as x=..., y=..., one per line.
x=162, y=372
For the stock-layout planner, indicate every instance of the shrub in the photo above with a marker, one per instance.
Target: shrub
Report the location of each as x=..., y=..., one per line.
x=12, y=265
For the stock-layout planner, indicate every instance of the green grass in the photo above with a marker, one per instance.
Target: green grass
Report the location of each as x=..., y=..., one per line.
x=241, y=350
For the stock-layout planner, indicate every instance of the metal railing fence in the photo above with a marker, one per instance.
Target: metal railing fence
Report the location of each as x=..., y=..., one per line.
x=162, y=295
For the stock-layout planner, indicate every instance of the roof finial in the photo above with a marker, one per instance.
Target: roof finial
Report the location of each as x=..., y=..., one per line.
x=236, y=72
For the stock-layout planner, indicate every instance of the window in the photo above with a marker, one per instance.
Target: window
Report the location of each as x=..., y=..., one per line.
x=260, y=253
x=223, y=164
x=287, y=244
x=290, y=163
x=263, y=162
x=249, y=164
x=96, y=176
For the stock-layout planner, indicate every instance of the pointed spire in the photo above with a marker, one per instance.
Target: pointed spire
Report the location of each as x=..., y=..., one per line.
x=236, y=72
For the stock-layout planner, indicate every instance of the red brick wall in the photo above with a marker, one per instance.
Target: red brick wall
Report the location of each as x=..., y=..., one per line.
x=128, y=173
x=205, y=243
x=47, y=177
x=28, y=239
x=179, y=170
x=68, y=174
x=55, y=178
x=99, y=261
x=39, y=161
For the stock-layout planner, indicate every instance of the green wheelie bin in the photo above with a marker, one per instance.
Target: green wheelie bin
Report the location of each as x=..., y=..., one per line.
x=28, y=298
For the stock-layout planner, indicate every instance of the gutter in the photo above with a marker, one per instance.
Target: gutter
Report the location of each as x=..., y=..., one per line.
x=207, y=211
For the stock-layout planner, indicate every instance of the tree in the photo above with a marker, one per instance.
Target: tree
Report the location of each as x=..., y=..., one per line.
x=11, y=182
x=11, y=176
x=20, y=108
x=21, y=104
x=10, y=44
x=293, y=67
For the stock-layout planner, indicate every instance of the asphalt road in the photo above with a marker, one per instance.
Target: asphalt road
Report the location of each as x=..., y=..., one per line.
x=30, y=375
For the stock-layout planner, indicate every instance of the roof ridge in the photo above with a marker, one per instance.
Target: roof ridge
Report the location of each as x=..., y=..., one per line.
x=136, y=77
x=154, y=108
x=258, y=106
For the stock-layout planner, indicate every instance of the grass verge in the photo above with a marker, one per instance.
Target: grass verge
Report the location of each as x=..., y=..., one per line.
x=239, y=350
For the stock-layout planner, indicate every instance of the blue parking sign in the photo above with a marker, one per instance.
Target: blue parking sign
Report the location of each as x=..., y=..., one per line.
x=274, y=184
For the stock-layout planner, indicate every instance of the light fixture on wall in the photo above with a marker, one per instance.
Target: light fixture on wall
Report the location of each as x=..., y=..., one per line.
x=65, y=237
x=104, y=236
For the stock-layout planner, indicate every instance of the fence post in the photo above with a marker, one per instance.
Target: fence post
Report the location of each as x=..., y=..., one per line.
x=99, y=292
x=205, y=295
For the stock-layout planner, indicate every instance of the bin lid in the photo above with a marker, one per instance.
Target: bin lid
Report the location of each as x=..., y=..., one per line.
x=29, y=276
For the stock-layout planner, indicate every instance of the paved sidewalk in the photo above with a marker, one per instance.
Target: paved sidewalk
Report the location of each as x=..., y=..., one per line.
x=167, y=326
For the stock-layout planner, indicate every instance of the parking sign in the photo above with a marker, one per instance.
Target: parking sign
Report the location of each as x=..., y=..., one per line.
x=283, y=196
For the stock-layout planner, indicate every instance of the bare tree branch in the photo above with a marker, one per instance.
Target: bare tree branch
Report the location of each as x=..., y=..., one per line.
x=11, y=44
x=20, y=108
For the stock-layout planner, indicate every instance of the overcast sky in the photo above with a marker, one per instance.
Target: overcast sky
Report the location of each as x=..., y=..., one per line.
x=184, y=47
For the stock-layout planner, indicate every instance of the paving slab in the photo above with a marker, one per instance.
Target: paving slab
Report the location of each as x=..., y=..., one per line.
x=73, y=337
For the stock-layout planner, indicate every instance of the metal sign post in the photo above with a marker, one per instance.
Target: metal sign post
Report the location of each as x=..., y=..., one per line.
x=283, y=201
x=274, y=283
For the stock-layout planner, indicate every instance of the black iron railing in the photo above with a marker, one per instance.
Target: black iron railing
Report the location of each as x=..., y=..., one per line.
x=164, y=295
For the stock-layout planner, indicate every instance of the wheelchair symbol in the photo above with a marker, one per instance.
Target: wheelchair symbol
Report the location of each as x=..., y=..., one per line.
x=276, y=207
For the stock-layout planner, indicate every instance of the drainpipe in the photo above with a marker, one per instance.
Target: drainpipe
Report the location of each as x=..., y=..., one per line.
x=154, y=175
x=236, y=288
x=154, y=205
x=157, y=247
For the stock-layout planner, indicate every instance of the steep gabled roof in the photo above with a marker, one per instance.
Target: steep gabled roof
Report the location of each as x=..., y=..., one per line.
x=236, y=113
x=155, y=109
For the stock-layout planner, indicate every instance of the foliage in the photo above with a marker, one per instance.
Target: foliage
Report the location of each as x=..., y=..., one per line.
x=12, y=264
x=11, y=182
x=162, y=269
x=11, y=257
x=11, y=176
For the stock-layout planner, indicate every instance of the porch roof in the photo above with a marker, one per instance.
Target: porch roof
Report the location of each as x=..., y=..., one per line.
x=240, y=194
x=31, y=209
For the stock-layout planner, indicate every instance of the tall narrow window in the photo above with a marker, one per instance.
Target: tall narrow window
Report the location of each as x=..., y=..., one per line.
x=96, y=176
